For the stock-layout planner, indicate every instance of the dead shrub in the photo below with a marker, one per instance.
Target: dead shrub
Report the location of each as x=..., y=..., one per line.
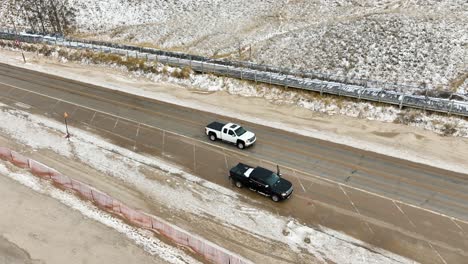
x=407, y=117
x=45, y=50
x=154, y=69
x=30, y=48
x=63, y=53
x=186, y=72
x=165, y=71
x=182, y=73
x=75, y=56
x=133, y=64
x=113, y=58
x=449, y=129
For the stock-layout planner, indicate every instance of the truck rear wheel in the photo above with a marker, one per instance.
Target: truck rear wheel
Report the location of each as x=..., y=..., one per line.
x=238, y=184
x=212, y=137
x=240, y=145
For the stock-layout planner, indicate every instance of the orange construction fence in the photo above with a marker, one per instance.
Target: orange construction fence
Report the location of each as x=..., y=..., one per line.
x=207, y=249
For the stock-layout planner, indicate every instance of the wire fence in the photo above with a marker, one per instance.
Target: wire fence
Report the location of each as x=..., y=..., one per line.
x=321, y=83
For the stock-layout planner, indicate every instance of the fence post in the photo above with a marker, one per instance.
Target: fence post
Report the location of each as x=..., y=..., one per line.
x=451, y=106
x=401, y=101
x=425, y=100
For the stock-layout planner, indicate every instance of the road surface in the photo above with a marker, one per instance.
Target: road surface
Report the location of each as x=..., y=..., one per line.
x=412, y=209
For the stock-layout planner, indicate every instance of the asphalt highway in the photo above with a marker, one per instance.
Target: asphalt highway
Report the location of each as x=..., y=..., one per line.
x=426, y=205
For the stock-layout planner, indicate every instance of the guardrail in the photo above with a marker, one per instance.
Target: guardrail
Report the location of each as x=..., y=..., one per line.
x=369, y=91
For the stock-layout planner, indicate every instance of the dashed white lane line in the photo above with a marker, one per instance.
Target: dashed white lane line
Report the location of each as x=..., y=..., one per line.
x=299, y=180
x=437, y=252
x=116, y=122
x=407, y=217
x=355, y=208
x=459, y=227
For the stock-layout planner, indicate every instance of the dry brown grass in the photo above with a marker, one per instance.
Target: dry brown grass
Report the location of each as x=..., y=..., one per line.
x=131, y=63
x=457, y=82
x=449, y=129
x=407, y=117
x=182, y=73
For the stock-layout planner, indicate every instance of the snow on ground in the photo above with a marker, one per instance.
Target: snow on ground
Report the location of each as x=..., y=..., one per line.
x=438, y=123
x=148, y=242
x=42, y=133
x=419, y=42
x=311, y=101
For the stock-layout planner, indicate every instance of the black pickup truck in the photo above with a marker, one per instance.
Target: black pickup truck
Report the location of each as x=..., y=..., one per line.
x=262, y=181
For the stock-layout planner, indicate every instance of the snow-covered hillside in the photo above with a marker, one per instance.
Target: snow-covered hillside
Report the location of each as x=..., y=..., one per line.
x=417, y=42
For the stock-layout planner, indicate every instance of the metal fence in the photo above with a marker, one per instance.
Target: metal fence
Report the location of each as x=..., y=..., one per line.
x=367, y=90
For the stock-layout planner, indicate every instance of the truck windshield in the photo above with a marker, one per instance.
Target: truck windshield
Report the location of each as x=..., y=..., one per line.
x=240, y=131
x=272, y=179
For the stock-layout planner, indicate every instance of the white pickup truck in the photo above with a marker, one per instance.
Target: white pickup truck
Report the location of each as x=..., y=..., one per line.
x=231, y=133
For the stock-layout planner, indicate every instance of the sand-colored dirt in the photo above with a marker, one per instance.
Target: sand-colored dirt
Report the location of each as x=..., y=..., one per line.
x=37, y=229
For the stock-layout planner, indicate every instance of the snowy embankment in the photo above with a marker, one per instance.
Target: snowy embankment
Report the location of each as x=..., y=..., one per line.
x=330, y=105
x=421, y=43
x=127, y=166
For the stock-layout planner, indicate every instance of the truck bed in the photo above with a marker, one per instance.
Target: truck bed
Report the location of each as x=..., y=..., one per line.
x=216, y=126
x=239, y=169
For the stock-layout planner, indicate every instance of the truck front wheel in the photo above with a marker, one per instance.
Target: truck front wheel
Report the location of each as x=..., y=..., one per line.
x=275, y=198
x=240, y=145
x=212, y=137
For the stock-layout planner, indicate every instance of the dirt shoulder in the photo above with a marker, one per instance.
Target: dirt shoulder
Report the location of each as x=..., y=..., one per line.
x=37, y=229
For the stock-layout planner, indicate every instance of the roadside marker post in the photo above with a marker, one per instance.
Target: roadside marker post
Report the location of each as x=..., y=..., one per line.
x=67, y=136
x=18, y=45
